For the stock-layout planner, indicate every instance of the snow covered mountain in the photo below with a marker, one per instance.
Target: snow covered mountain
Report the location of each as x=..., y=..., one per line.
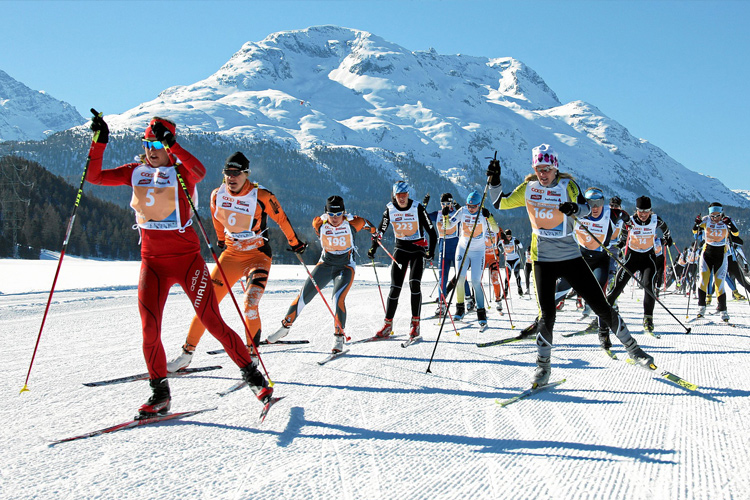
x=333, y=86
x=27, y=114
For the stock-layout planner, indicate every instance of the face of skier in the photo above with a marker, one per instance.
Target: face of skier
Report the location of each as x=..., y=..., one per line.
x=472, y=209
x=234, y=179
x=643, y=215
x=597, y=211
x=401, y=199
x=546, y=174
x=156, y=157
x=335, y=218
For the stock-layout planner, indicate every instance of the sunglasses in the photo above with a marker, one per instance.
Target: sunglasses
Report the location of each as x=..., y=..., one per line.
x=233, y=173
x=716, y=215
x=646, y=211
x=446, y=203
x=335, y=214
x=544, y=170
x=153, y=145
x=472, y=206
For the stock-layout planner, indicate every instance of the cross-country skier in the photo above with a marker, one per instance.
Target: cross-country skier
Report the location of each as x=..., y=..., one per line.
x=410, y=223
x=513, y=249
x=240, y=210
x=639, y=238
x=170, y=250
x=473, y=225
x=713, y=259
x=336, y=229
x=551, y=199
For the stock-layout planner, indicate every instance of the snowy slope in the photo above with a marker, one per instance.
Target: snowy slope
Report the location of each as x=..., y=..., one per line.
x=334, y=86
x=373, y=424
x=27, y=114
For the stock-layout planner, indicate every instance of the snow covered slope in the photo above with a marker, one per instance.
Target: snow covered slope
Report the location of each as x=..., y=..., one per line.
x=335, y=86
x=372, y=424
x=27, y=114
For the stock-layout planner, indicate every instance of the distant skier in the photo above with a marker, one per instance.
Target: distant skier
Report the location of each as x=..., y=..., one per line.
x=551, y=199
x=410, y=226
x=336, y=229
x=718, y=227
x=639, y=237
x=170, y=250
x=513, y=249
x=240, y=209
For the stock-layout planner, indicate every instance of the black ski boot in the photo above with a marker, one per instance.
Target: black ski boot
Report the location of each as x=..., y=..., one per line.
x=257, y=383
x=459, y=312
x=604, y=341
x=159, y=402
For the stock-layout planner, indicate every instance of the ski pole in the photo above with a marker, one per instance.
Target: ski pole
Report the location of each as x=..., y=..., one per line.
x=387, y=252
x=461, y=267
x=219, y=267
x=309, y=274
x=378, y=282
x=69, y=229
x=622, y=266
x=505, y=288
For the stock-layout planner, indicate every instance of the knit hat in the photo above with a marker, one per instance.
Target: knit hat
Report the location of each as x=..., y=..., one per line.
x=643, y=203
x=237, y=161
x=446, y=197
x=544, y=155
x=335, y=204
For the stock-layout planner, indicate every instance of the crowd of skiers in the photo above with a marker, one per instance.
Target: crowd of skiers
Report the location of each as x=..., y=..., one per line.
x=580, y=245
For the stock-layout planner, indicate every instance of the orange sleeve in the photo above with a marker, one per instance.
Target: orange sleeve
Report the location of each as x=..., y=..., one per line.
x=316, y=224
x=358, y=223
x=273, y=208
x=218, y=226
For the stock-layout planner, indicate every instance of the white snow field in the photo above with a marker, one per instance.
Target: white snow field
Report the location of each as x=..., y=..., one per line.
x=372, y=424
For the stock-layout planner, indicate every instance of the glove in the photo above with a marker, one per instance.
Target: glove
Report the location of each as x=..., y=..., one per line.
x=726, y=220
x=493, y=173
x=668, y=241
x=698, y=220
x=100, y=128
x=445, y=211
x=426, y=200
x=620, y=244
x=429, y=254
x=486, y=212
x=221, y=244
x=568, y=208
x=163, y=134
x=371, y=252
x=299, y=248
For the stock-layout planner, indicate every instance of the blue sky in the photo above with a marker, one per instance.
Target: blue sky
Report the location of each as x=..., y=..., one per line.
x=673, y=72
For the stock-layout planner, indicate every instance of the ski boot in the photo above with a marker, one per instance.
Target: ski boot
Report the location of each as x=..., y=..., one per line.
x=440, y=311
x=280, y=333
x=338, y=343
x=579, y=303
x=737, y=295
x=256, y=381
x=530, y=330
x=470, y=304
x=183, y=360
x=459, y=312
x=604, y=340
x=636, y=353
x=520, y=291
x=387, y=329
x=586, y=311
x=414, y=332
x=542, y=372
x=648, y=323
x=482, y=317
x=159, y=402
x=559, y=306
x=701, y=312
x=499, y=305
x=725, y=316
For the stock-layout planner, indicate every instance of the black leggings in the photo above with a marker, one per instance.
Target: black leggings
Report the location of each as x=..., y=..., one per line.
x=637, y=261
x=579, y=275
x=415, y=261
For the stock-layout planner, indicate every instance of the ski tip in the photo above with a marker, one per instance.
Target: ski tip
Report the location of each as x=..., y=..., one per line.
x=25, y=388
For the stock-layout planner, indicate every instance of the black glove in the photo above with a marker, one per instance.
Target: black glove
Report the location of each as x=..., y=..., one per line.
x=371, y=252
x=446, y=210
x=100, y=128
x=426, y=200
x=299, y=247
x=668, y=241
x=493, y=172
x=698, y=220
x=568, y=208
x=620, y=244
x=163, y=134
x=485, y=212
